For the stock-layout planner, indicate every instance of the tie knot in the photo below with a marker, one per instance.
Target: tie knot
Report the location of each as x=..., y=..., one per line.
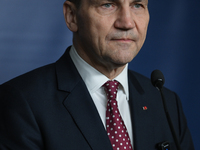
x=111, y=88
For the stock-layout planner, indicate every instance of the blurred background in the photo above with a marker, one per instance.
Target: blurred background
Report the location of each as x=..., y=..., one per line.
x=34, y=33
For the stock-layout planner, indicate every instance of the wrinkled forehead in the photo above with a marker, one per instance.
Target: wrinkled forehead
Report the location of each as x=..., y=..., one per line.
x=117, y=0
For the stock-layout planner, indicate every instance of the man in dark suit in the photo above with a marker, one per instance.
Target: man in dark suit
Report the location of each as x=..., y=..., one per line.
x=63, y=106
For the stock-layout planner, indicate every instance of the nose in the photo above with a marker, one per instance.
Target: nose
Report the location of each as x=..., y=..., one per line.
x=125, y=20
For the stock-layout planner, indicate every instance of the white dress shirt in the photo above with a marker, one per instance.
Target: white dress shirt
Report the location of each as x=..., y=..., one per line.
x=94, y=81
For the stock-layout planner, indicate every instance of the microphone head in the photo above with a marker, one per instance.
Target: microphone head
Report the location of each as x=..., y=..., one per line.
x=157, y=79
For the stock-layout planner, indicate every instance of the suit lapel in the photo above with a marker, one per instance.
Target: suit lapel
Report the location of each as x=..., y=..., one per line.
x=81, y=107
x=80, y=104
x=141, y=119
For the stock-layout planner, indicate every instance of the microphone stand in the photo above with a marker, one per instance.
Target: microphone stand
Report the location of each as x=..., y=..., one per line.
x=169, y=120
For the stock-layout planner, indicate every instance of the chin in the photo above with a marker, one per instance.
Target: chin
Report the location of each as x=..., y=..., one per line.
x=123, y=61
x=126, y=57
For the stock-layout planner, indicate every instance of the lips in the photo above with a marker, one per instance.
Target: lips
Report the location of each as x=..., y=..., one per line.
x=123, y=39
x=123, y=36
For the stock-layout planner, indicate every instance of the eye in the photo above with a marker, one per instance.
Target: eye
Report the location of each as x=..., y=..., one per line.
x=107, y=5
x=106, y=8
x=137, y=5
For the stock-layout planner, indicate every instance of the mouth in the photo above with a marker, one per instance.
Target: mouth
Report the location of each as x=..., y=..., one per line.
x=126, y=40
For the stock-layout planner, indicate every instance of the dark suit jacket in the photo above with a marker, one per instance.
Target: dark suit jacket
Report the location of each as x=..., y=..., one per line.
x=50, y=108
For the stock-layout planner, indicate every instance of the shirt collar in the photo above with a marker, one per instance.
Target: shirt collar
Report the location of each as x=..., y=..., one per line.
x=95, y=79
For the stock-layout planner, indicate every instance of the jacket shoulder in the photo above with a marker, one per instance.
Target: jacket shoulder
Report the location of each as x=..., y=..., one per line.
x=34, y=77
x=145, y=82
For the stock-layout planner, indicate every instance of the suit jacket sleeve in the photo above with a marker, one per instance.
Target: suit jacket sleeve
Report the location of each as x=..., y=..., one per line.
x=18, y=127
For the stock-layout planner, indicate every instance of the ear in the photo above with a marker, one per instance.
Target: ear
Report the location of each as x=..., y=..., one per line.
x=69, y=10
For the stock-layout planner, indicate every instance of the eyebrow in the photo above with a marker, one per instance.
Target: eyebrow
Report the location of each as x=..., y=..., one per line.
x=140, y=0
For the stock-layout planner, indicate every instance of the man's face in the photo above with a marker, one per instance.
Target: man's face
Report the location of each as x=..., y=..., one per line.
x=110, y=33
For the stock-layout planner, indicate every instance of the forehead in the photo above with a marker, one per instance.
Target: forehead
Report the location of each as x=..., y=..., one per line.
x=118, y=0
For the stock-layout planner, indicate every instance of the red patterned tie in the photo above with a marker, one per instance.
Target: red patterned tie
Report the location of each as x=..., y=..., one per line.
x=115, y=126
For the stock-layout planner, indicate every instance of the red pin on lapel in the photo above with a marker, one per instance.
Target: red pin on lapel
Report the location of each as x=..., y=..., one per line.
x=145, y=108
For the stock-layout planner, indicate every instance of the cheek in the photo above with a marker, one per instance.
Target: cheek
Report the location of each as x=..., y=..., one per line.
x=142, y=29
x=88, y=31
x=94, y=28
x=100, y=30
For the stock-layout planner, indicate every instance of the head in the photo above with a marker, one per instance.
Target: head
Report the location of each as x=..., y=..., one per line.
x=107, y=34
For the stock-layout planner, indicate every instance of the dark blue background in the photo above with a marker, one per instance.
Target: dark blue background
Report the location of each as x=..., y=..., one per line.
x=33, y=33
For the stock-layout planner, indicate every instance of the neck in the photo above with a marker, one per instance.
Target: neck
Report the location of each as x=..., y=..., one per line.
x=110, y=72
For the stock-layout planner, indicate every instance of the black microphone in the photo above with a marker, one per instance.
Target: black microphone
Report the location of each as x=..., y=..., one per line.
x=158, y=80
